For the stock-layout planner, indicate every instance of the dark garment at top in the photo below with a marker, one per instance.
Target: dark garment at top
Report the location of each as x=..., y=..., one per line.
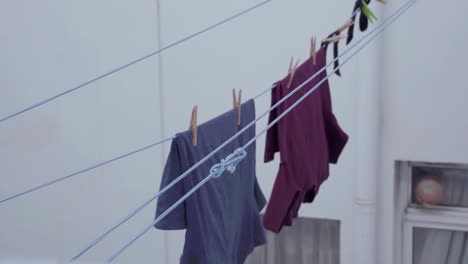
x=222, y=218
x=308, y=138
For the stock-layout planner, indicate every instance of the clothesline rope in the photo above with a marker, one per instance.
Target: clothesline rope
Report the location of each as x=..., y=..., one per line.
x=92, y=167
x=383, y=26
x=268, y=89
x=45, y=101
x=220, y=147
x=49, y=183
x=95, y=166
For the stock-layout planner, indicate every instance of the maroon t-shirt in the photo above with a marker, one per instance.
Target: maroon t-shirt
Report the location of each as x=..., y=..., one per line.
x=308, y=139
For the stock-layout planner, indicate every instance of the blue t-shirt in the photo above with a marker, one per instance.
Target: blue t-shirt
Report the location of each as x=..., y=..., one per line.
x=222, y=218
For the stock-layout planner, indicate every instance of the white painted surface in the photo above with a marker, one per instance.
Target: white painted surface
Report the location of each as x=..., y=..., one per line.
x=47, y=46
x=367, y=140
x=424, y=98
x=51, y=45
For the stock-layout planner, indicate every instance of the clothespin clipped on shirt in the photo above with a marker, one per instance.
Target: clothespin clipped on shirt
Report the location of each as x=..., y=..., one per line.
x=368, y=12
x=366, y=15
x=334, y=39
x=345, y=26
x=313, y=50
x=292, y=71
x=236, y=103
x=290, y=65
x=193, y=125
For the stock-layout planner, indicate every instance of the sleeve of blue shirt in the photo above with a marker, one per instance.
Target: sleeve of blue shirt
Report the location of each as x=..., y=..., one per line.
x=177, y=218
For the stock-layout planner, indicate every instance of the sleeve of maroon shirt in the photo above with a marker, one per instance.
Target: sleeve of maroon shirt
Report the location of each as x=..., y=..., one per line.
x=272, y=142
x=336, y=137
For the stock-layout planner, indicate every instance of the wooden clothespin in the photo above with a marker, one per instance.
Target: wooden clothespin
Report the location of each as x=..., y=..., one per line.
x=334, y=39
x=290, y=65
x=313, y=49
x=345, y=26
x=193, y=125
x=292, y=72
x=236, y=103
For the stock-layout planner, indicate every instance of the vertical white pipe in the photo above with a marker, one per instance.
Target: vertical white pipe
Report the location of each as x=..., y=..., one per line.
x=367, y=149
x=160, y=89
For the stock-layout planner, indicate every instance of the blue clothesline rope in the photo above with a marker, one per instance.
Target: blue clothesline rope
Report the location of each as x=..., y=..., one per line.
x=45, y=101
x=381, y=28
x=95, y=166
x=49, y=183
x=52, y=182
x=268, y=89
x=133, y=213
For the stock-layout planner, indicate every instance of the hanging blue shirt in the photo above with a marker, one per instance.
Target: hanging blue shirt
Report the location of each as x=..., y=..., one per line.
x=222, y=218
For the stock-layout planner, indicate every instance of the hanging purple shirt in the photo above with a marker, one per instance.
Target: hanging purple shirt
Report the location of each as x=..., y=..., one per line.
x=222, y=218
x=308, y=139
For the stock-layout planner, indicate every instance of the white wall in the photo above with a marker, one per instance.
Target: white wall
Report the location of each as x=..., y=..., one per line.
x=424, y=97
x=51, y=45
x=46, y=47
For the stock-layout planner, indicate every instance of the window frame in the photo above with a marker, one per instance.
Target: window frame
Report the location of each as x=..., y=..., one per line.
x=409, y=215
